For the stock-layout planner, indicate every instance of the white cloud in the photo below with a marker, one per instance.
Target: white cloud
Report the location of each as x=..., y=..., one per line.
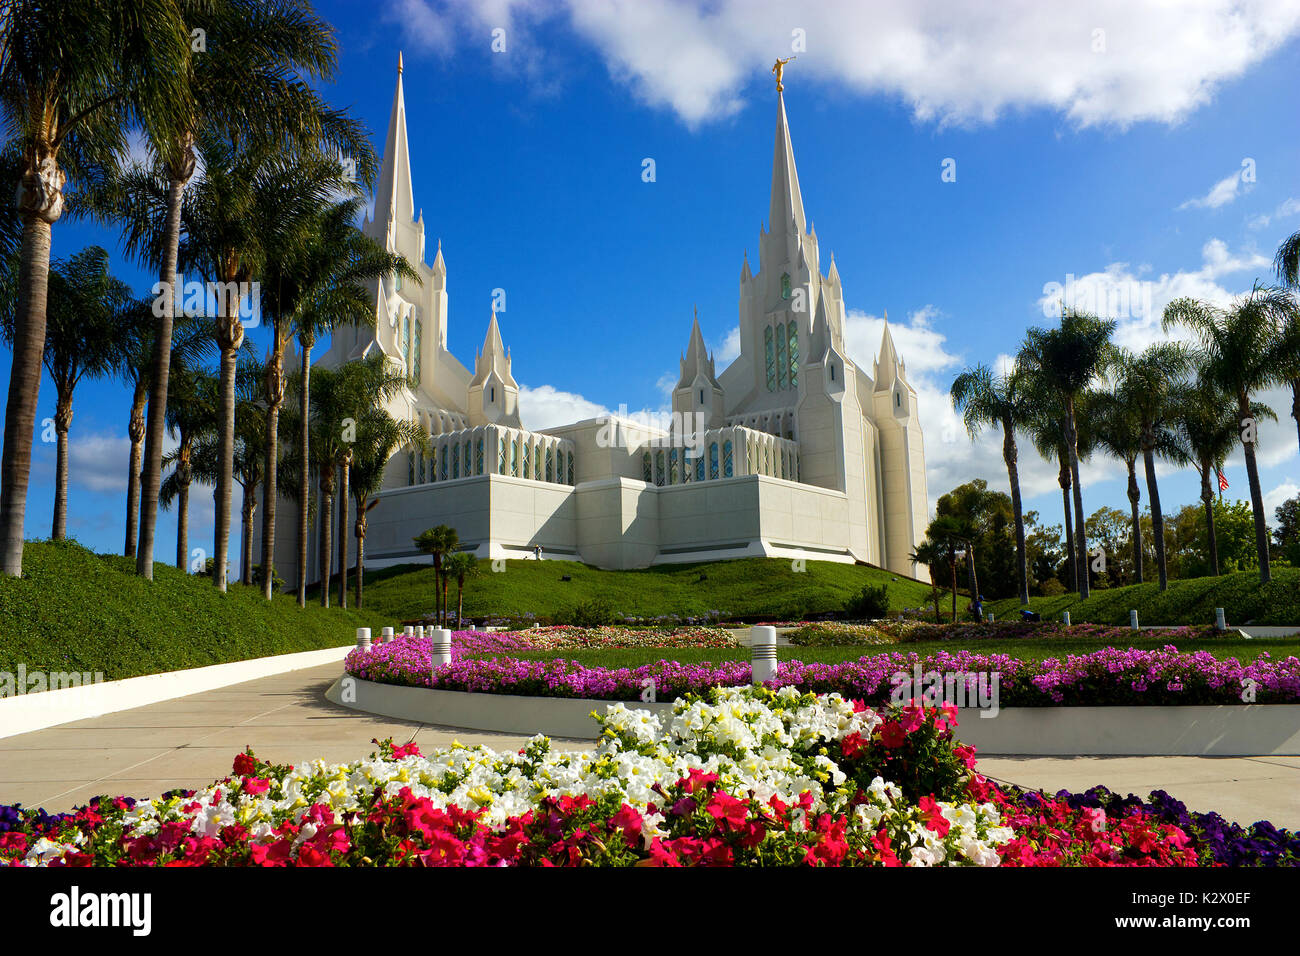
x=728, y=350
x=1137, y=303
x=1285, y=209
x=1220, y=194
x=545, y=406
x=1275, y=497
x=1108, y=62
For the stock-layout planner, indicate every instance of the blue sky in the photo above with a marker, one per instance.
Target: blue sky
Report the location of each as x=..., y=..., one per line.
x=1155, y=158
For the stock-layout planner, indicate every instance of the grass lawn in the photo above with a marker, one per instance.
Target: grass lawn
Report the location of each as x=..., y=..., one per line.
x=74, y=610
x=1025, y=649
x=1185, y=602
x=749, y=588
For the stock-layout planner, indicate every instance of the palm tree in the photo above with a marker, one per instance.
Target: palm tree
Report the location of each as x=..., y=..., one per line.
x=191, y=415
x=72, y=76
x=1146, y=384
x=439, y=542
x=1287, y=348
x=1046, y=427
x=1117, y=430
x=1206, y=420
x=244, y=84
x=931, y=555
x=341, y=397
x=86, y=315
x=1236, y=356
x=988, y=399
x=947, y=536
x=1068, y=359
x=460, y=566
x=245, y=198
x=319, y=282
x=379, y=435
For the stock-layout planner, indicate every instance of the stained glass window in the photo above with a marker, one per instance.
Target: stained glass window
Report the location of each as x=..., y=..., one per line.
x=501, y=453
x=672, y=467
x=569, y=456
x=771, y=359
x=792, y=332
x=647, y=468
x=442, y=465
x=528, y=457
x=410, y=468
x=478, y=457
x=659, y=468
x=550, y=464
x=785, y=286
x=415, y=351
x=782, y=363
x=713, y=460
x=726, y=459
x=455, y=461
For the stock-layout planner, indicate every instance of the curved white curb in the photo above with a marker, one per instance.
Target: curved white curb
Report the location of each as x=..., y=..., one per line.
x=1228, y=730
x=24, y=713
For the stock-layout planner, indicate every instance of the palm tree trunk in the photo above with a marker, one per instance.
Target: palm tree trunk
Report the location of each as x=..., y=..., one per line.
x=225, y=466
x=326, y=533
x=460, y=603
x=25, y=375
x=1256, y=497
x=136, y=430
x=274, y=396
x=62, y=422
x=443, y=622
x=970, y=571
x=343, y=539
x=246, y=536
x=304, y=481
x=360, y=532
x=1295, y=404
x=952, y=565
x=1207, y=498
x=183, y=524
x=1010, y=456
x=155, y=432
x=1157, y=517
x=1080, y=530
x=1063, y=479
x=1135, y=496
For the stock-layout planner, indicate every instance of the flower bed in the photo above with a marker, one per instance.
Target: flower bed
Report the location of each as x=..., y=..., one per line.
x=837, y=634
x=1107, y=677
x=743, y=777
x=567, y=637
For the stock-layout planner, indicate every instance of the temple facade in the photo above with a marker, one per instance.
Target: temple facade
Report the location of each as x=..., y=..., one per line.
x=794, y=450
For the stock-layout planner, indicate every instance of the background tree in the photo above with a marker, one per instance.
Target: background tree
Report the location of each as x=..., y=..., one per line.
x=438, y=542
x=1235, y=354
x=1287, y=534
x=1118, y=431
x=460, y=566
x=985, y=399
x=190, y=416
x=1068, y=359
x=86, y=323
x=1287, y=348
x=379, y=435
x=327, y=283
x=1147, y=383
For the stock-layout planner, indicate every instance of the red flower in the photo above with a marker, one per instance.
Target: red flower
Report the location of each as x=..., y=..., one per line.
x=892, y=735
x=934, y=818
x=852, y=745
x=726, y=808
x=245, y=764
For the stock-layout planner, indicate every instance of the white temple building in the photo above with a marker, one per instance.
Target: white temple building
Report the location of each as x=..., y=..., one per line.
x=792, y=451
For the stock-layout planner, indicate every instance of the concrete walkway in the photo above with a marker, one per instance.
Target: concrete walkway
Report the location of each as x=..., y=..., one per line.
x=189, y=742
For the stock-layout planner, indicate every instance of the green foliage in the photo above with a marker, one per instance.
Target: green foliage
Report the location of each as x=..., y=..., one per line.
x=1187, y=601
x=869, y=604
x=77, y=610
x=593, y=613
x=753, y=589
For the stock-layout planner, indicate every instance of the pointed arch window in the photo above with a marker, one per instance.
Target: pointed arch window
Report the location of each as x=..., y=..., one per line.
x=569, y=457
x=713, y=460
x=550, y=464
x=442, y=465
x=647, y=469
x=785, y=286
x=410, y=468
x=898, y=399
x=672, y=467
x=423, y=462
x=501, y=453
x=527, y=459
x=792, y=349
x=727, y=468
x=415, y=351
x=537, y=463
x=770, y=350
x=659, y=467
x=478, y=457
x=699, y=468
x=782, y=362
x=514, y=458
x=405, y=344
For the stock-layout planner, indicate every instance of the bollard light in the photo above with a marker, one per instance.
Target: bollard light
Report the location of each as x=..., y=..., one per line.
x=1065, y=618
x=1220, y=620
x=1133, y=619
x=419, y=631
x=408, y=631
x=386, y=636
x=762, y=642
x=363, y=638
x=441, y=638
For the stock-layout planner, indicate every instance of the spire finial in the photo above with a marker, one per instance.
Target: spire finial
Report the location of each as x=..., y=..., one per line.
x=778, y=68
x=399, y=62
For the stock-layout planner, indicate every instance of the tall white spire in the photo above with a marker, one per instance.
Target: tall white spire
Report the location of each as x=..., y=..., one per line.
x=394, y=198
x=787, y=203
x=697, y=363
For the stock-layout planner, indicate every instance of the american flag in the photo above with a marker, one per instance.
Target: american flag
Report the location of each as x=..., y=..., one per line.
x=1223, y=482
